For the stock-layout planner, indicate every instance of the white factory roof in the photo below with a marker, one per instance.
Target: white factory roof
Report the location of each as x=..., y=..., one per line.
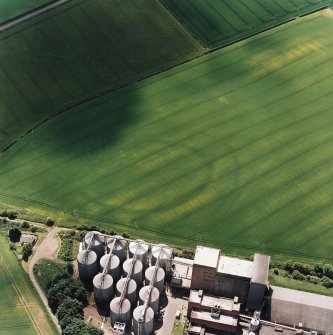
x=235, y=267
x=206, y=256
x=301, y=297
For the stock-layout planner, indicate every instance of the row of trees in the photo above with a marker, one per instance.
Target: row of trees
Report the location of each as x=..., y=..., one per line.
x=67, y=298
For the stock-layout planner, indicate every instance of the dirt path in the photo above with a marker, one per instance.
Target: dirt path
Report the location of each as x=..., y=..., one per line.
x=30, y=15
x=47, y=249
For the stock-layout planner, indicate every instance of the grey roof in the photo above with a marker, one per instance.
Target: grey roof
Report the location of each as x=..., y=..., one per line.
x=313, y=311
x=260, y=269
x=28, y=238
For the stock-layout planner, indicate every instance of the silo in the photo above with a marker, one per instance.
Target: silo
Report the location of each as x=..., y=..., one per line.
x=87, y=264
x=96, y=241
x=159, y=278
x=136, y=271
x=119, y=248
x=254, y=325
x=120, y=312
x=103, y=288
x=141, y=249
x=154, y=297
x=143, y=320
x=113, y=264
x=130, y=290
x=165, y=254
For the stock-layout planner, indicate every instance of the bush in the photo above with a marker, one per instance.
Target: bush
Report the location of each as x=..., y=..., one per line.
x=326, y=282
x=33, y=229
x=276, y=271
x=297, y=275
x=125, y=235
x=14, y=234
x=25, y=225
x=50, y=222
x=12, y=215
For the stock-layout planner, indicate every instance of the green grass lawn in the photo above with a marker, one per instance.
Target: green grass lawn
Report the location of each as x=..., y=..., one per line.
x=20, y=308
x=278, y=280
x=233, y=149
x=218, y=23
x=11, y=8
x=80, y=50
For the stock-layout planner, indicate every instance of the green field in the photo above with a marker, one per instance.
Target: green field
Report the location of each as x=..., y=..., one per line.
x=11, y=8
x=218, y=23
x=80, y=50
x=233, y=149
x=20, y=310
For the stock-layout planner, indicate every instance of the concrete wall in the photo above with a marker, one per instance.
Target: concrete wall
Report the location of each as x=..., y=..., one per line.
x=256, y=296
x=230, y=287
x=203, y=278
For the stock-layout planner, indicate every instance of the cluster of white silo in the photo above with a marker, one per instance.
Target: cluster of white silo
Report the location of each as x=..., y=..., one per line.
x=131, y=279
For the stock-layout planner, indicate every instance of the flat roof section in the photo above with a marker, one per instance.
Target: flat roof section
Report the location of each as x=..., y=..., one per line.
x=235, y=267
x=206, y=316
x=206, y=256
x=211, y=301
x=301, y=297
x=260, y=269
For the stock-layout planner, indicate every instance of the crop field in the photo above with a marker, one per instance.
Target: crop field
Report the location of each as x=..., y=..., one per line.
x=233, y=149
x=11, y=8
x=20, y=312
x=80, y=50
x=218, y=23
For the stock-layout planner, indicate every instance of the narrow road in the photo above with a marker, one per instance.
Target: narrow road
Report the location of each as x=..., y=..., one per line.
x=47, y=249
x=30, y=15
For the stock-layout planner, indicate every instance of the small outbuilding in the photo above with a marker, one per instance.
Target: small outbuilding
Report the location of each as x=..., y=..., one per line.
x=28, y=239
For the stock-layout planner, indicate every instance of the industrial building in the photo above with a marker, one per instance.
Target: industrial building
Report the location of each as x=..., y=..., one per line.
x=301, y=309
x=230, y=277
x=129, y=278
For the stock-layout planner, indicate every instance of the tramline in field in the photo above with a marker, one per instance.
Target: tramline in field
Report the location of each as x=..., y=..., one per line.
x=232, y=149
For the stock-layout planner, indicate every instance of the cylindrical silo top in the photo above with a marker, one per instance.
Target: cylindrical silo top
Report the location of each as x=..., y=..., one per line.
x=109, y=261
x=139, y=311
x=124, y=307
x=160, y=274
x=103, y=281
x=144, y=294
x=137, y=266
x=119, y=244
x=86, y=257
x=94, y=238
x=131, y=286
x=140, y=248
x=162, y=251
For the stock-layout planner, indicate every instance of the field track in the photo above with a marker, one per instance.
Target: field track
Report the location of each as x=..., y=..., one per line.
x=13, y=8
x=232, y=149
x=217, y=23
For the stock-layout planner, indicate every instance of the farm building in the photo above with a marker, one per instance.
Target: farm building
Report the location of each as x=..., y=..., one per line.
x=305, y=310
x=28, y=239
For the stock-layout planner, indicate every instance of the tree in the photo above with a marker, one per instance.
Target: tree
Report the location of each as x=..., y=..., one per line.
x=92, y=330
x=14, y=234
x=75, y=327
x=26, y=251
x=50, y=222
x=33, y=229
x=328, y=271
x=297, y=275
x=70, y=307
